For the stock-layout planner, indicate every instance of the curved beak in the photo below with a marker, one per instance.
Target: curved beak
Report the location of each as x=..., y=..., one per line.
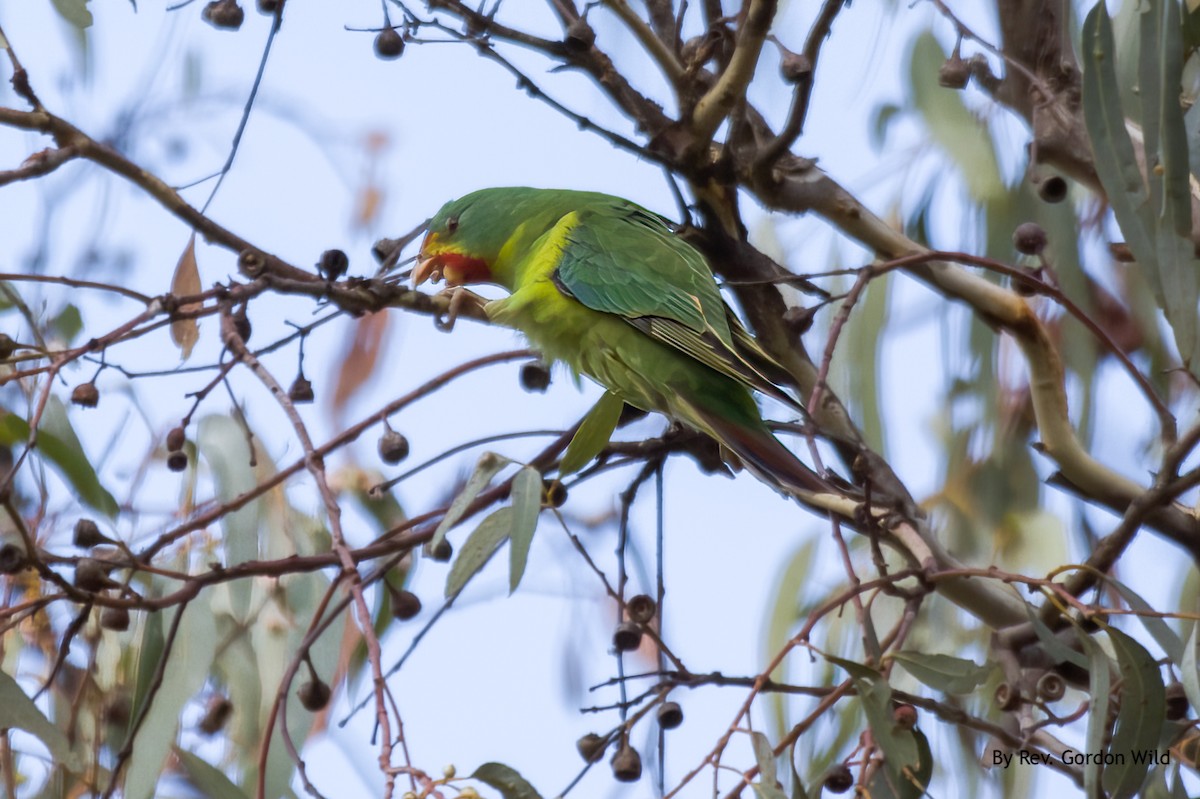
x=427, y=268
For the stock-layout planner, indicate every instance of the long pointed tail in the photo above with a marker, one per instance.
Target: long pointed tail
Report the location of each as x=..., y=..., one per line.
x=762, y=453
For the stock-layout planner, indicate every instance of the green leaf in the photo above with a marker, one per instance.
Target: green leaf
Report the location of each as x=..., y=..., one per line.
x=149, y=651
x=479, y=548
x=190, y=656
x=209, y=781
x=58, y=444
x=1099, y=685
x=506, y=780
x=956, y=130
x=67, y=323
x=788, y=592
x=1189, y=669
x=526, y=505
x=75, y=12
x=1156, y=222
x=489, y=464
x=222, y=442
x=18, y=711
x=1116, y=164
x=1177, y=200
x=943, y=672
x=913, y=783
x=798, y=791
x=899, y=746
x=593, y=433
x=1159, y=630
x=1141, y=717
x=766, y=790
x=764, y=757
x=1176, y=252
x=1054, y=646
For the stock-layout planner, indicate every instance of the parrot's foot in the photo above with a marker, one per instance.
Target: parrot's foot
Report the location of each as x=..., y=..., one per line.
x=463, y=302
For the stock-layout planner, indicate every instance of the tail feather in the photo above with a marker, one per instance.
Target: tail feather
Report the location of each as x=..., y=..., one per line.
x=762, y=453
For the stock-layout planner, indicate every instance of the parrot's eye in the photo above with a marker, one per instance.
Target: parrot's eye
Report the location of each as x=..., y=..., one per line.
x=452, y=224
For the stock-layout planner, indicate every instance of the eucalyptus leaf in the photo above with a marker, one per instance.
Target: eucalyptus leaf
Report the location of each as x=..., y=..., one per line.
x=1189, y=669
x=489, y=464
x=223, y=444
x=58, y=445
x=1099, y=685
x=1055, y=647
x=189, y=659
x=1159, y=630
x=899, y=746
x=18, y=711
x=210, y=781
x=956, y=130
x=944, y=672
x=526, y=505
x=764, y=757
x=1116, y=163
x=75, y=12
x=593, y=433
x=1140, y=718
x=478, y=549
x=506, y=780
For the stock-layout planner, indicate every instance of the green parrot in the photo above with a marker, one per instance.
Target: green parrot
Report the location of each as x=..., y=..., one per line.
x=609, y=288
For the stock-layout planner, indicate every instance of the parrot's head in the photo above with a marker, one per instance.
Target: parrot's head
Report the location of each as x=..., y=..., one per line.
x=464, y=241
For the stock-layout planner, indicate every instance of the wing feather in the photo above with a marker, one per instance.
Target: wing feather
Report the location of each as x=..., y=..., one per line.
x=621, y=259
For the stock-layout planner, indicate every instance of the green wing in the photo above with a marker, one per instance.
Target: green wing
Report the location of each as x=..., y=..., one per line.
x=621, y=259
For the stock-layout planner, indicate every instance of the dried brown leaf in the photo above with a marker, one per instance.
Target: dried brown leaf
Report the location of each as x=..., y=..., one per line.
x=360, y=360
x=186, y=332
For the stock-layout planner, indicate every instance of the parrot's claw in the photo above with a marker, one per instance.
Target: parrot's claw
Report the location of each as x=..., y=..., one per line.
x=461, y=301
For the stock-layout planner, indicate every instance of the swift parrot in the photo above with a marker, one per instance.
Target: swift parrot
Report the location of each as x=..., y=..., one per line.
x=610, y=289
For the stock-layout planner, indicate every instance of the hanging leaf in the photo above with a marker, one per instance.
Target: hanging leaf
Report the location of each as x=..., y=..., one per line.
x=75, y=12
x=899, y=746
x=67, y=323
x=1153, y=220
x=1159, y=630
x=361, y=358
x=526, y=505
x=788, y=592
x=191, y=654
x=223, y=443
x=208, y=780
x=593, y=433
x=943, y=672
x=506, y=780
x=764, y=758
x=57, y=442
x=1189, y=669
x=956, y=130
x=478, y=549
x=18, y=711
x=915, y=778
x=1099, y=685
x=489, y=464
x=1055, y=647
x=186, y=332
x=798, y=791
x=1140, y=719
